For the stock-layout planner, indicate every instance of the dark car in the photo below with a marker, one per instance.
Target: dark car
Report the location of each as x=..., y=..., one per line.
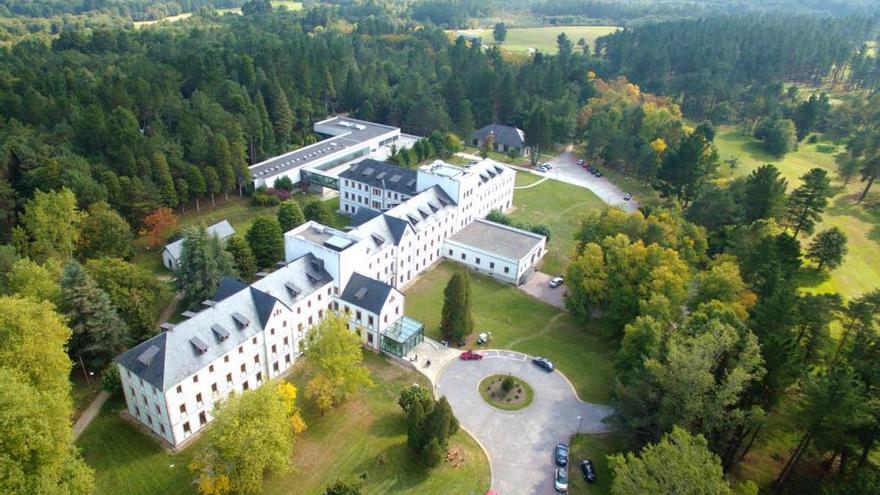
x=561, y=455
x=591, y=169
x=543, y=363
x=470, y=356
x=588, y=470
x=598, y=173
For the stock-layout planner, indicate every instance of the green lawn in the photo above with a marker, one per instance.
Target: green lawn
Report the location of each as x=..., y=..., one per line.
x=860, y=272
x=521, y=40
x=362, y=441
x=558, y=205
x=596, y=448
x=522, y=323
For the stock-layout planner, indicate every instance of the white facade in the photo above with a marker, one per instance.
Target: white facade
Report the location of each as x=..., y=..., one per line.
x=500, y=251
x=173, y=380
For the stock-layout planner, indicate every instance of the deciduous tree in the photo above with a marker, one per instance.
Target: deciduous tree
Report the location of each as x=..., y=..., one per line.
x=159, y=225
x=266, y=240
x=104, y=233
x=290, y=215
x=649, y=471
x=252, y=435
x=50, y=223
x=336, y=353
x=318, y=211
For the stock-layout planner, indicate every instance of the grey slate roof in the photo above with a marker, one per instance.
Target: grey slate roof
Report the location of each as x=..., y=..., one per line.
x=504, y=134
x=228, y=286
x=222, y=229
x=178, y=358
x=365, y=292
x=383, y=175
x=364, y=215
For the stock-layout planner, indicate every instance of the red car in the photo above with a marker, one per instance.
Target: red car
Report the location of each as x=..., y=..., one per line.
x=470, y=356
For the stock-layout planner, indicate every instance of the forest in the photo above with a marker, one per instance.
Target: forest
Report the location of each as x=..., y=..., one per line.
x=107, y=132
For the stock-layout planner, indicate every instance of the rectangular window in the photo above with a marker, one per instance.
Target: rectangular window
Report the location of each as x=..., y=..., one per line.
x=463, y=256
x=259, y=376
x=195, y=378
x=179, y=389
x=199, y=397
x=492, y=265
x=214, y=387
x=183, y=409
x=211, y=369
x=186, y=428
x=478, y=260
x=275, y=367
x=226, y=359
x=274, y=349
x=257, y=359
x=245, y=386
x=506, y=269
x=203, y=418
x=228, y=377
x=370, y=320
x=243, y=368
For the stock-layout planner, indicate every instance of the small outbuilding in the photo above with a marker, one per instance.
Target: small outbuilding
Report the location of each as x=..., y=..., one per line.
x=171, y=254
x=500, y=251
x=504, y=138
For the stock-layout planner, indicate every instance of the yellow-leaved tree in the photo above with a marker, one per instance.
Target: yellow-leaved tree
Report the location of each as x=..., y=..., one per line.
x=336, y=354
x=253, y=434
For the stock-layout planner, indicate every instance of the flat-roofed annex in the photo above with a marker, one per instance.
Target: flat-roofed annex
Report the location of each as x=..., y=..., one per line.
x=501, y=240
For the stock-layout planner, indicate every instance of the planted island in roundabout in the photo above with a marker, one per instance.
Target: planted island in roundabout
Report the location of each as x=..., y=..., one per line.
x=506, y=392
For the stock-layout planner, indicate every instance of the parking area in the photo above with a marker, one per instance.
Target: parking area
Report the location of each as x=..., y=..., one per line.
x=566, y=169
x=538, y=286
x=520, y=444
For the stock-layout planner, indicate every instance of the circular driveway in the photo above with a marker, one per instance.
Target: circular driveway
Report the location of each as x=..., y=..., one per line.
x=520, y=444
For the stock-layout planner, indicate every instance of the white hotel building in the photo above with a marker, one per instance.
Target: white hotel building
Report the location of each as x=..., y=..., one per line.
x=246, y=334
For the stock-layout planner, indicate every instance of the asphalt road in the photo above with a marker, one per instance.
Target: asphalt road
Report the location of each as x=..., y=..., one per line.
x=520, y=444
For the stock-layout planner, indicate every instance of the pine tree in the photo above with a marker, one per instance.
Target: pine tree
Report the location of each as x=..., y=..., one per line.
x=456, y=321
x=290, y=216
x=267, y=241
x=245, y=263
x=162, y=176
x=807, y=202
x=99, y=334
x=203, y=262
x=828, y=248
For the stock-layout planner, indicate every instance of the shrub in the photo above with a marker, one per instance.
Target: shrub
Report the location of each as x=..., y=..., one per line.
x=263, y=198
x=110, y=381
x=507, y=384
x=813, y=139
x=283, y=183
x=281, y=194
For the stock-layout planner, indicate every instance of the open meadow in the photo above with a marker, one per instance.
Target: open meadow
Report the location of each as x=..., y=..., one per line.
x=860, y=271
x=525, y=40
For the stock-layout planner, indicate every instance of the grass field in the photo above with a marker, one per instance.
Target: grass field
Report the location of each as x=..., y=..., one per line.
x=558, y=205
x=860, y=271
x=595, y=448
x=287, y=4
x=524, y=40
x=363, y=441
x=522, y=323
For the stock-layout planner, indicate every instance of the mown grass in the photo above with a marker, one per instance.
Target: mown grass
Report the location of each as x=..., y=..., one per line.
x=522, y=40
x=522, y=323
x=363, y=441
x=558, y=205
x=860, y=271
x=596, y=448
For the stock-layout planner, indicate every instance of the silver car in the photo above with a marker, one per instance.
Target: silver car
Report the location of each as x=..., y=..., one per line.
x=560, y=481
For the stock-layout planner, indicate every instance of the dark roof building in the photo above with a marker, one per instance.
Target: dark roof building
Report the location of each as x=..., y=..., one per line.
x=505, y=138
x=367, y=293
x=383, y=175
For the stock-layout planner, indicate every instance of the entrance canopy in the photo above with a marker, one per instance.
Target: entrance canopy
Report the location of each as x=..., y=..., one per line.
x=402, y=336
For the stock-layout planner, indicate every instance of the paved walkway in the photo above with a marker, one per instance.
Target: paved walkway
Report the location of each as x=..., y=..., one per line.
x=519, y=444
x=89, y=414
x=533, y=184
x=431, y=350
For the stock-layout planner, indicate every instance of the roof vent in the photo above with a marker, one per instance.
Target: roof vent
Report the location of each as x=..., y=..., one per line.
x=199, y=345
x=293, y=288
x=167, y=326
x=395, y=178
x=188, y=314
x=411, y=183
x=209, y=303
x=146, y=357
x=239, y=318
x=314, y=278
x=220, y=332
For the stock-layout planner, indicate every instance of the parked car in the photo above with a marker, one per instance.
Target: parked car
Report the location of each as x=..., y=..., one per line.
x=588, y=470
x=598, y=173
x=591, y=169
x=627, y=196
x=581, y=162
x=470, y=356
x=541, y=168
x=556, y=282
x=543, y=363
x=561, y=455
x=547, y=165
x=560, y=481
